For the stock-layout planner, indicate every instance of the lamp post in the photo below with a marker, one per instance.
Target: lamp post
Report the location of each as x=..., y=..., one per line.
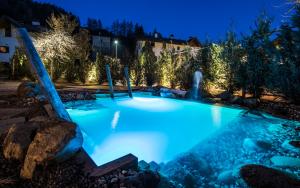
x=116, y=43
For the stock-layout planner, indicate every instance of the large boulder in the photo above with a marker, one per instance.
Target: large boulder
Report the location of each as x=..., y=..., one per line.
x=146, y=179
x=48, y=142
x=18, y=139
x=262, y=176
x=251, y=103
x=28, y=89
x=224, y=96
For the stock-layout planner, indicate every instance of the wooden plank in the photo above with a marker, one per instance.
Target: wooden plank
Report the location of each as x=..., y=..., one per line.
x=108, y=75
x=126, y=162
x=43, y=76
x=128, y=81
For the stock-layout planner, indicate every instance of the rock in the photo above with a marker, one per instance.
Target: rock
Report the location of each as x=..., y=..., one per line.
x=114, y=180
x=282, y=161
x=11, y=121
x=251, y=102
x=154, y=166
x=145, y=179
x=236, y=100
x=49, y=110
x=3, y=102
x=226, y=177
x=293, y=145
x=188, y=164
x=261, y=176
x=251, y=145
x=35, y=110
x=39, y=119
x=49, y=140
x=224, y=95
x=143, y=165
x=167, y=93
x=18, y=139
x=28, y=89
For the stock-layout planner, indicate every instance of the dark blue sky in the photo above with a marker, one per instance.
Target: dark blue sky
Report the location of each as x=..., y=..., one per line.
x=183, y=18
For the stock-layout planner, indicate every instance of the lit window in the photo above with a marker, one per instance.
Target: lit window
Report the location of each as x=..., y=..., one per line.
x=4, y=49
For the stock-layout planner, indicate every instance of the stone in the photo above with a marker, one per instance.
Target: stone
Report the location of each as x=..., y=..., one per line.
x=146, y=179
x=28, y=89
x=49, y=110
x=251, y=145
x=11, y=121
x=251, y=102
x=154, y=166
x=18, y=139
x=114, y=180
x=224, y=95
x=293, y=145
x=50, y=139
x=283, y=161
x=226, y=177
x=261, y=176
x=143, y=165
x=236, y=100
x=35, y=110
x=39, y=119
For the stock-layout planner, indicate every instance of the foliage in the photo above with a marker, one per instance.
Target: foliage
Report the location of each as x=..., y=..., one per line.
x=115, y=68
x=28, y=10
x=136, y=71
x=232, y=56
x=94, y=24
x=287, y=72
x=149, y=64
x=56, y=45
x=259, y=51
x=20, y=67
x=187, y=67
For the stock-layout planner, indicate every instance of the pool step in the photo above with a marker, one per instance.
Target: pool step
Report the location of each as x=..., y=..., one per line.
x=126, y=162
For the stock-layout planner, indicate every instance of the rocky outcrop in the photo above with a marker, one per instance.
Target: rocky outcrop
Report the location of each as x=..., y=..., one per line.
x=18, y=139
x=146, y=179
x=78, y=95
x=168, y=93
x=49, y=140
x=251, y=145
x=261, y=176
x=28, y=89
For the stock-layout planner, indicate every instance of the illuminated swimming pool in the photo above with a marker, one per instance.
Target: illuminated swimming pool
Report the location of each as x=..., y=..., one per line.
x=151, y=128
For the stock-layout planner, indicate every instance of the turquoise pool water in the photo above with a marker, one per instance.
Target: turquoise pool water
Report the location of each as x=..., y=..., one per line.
x=151, y=128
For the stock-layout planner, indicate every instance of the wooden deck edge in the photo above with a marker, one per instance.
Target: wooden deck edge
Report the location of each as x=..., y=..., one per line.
x=128, y=161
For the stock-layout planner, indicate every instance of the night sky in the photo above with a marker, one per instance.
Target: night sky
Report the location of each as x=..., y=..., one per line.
x=183, y=18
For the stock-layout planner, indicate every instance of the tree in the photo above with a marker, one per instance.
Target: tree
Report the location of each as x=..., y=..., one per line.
x=56, y=45
x=136, y=71
x=149, y=63
x=187, y=67
x=217, y=67
x=287, y=74
x=82, y=54
x=20, y=67
x=259, y=52
x=232, y=56
x=94, y=24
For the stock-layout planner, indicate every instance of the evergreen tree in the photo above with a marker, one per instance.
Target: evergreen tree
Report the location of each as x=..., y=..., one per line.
x=259, y=51
x=149, y=63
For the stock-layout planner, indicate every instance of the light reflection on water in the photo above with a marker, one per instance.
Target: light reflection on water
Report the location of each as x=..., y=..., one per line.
x=152, y=128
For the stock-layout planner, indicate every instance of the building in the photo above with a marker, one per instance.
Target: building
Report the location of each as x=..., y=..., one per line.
x=101, y=42
x=8, y=38
x=159, y=44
